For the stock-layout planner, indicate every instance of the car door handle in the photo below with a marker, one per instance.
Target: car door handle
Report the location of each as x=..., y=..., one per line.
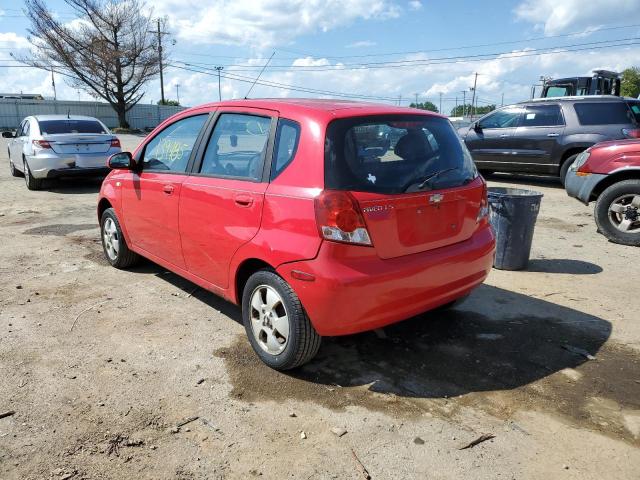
x=168, y=189
x=553, y=134
x=243, y=200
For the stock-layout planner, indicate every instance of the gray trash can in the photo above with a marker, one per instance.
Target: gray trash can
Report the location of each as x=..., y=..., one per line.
x=512, y=214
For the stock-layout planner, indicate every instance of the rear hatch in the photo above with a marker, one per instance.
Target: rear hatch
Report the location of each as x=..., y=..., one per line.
x=412, y=177
x=70, y=136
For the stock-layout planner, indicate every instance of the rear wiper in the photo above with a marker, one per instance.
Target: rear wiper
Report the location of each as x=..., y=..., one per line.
x=434, y=176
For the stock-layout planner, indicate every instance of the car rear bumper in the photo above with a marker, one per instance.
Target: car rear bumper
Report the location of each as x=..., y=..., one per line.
x=59, y=165
x=354, y=290
x=581, y=186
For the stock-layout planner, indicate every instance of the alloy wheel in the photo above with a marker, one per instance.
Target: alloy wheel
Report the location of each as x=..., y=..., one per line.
x=111, y=238
x=624, y=213
x=269, y=320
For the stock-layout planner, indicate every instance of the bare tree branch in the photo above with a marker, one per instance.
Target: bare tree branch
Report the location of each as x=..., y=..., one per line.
x=109, y=50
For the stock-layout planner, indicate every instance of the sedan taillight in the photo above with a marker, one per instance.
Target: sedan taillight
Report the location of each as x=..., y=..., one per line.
x=41, y=144
x=115, y=142
x=340, y=219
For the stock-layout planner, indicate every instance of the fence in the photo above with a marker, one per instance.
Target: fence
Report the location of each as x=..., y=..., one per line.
x=12, y=111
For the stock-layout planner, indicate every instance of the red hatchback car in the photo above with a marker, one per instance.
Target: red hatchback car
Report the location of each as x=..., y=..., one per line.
x=318, y=217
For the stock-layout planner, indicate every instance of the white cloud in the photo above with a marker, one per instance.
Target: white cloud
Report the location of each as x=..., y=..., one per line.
x=13, y=40
x=415, y=5
x=362, y=44
x=555, y=16
x=265, y=23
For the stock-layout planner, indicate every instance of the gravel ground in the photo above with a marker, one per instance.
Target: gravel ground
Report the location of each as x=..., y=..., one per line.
x=100, y=366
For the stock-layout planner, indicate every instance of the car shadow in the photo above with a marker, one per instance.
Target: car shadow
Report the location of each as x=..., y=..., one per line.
x=74, y=185
x=563, y=265
x=497, y=340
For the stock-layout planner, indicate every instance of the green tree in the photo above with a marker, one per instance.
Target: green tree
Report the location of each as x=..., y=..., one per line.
x=481, y=110
x=172, y=103
x=425, y=106
x=630, y=85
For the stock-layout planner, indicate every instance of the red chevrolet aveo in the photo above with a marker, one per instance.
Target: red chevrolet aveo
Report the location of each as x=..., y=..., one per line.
x=318, y=217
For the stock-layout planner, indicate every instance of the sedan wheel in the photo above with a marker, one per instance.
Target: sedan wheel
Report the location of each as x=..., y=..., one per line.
x=617, y=212
x=111, y=239
x=278, y=328
x=32, y=183
x=114, y=244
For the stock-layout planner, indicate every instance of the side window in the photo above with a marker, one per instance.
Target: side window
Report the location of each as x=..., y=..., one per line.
x=170, y=149
x=603, y=113
x=20, y=129
x=504, y=118
x=26, y=128
x=287, y=137
x=541, y=116
x=237, y=147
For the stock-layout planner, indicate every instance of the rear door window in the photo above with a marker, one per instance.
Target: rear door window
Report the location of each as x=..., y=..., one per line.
x=237, y=147
x=541, y=116
x=604, y=113
x=54, y=127
x=395, y=154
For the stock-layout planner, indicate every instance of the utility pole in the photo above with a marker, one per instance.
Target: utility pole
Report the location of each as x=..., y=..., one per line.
x=416, y=100
x=475, y=84
x=502, y=101
x=400, y=100
x=53, y=84
x=219, y=88
x=456, y=110
x=160, y=62
x=178, y=92
x=440, y=110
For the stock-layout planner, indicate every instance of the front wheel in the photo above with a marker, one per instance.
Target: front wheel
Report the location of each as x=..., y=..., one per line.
x=617, y=212
x=114, y=245
x=278, y=328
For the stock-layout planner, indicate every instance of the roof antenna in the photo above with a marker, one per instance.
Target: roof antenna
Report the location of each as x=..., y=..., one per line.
x=258, y=77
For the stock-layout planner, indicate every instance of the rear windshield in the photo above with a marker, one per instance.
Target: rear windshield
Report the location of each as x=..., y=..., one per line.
x=395, y=154
x=603, y=113
x=635, y=109
x=52, y=127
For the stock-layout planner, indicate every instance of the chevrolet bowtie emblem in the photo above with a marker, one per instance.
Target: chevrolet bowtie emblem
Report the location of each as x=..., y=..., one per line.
x=436, y=198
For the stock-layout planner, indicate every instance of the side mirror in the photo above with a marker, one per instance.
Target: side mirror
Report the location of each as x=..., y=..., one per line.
x=8, y=135
x=121, y=161
x=477, y=127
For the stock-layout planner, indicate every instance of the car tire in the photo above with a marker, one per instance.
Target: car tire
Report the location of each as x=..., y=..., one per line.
x=620, y=202
x=12, y=168
x=114, y=246
x=32, y=183
x=564, y=169
x=267, y=301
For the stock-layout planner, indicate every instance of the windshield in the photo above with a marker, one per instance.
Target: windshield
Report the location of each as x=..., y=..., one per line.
x=53, y=127
x=395, y=154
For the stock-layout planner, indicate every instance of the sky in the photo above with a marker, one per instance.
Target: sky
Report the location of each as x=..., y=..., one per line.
x=377, y=50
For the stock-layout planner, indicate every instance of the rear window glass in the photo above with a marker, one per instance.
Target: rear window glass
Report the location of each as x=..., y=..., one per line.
x=395, y=154
x=287, y=137
x=603, y=113
x=52, y=127
x=635, y=109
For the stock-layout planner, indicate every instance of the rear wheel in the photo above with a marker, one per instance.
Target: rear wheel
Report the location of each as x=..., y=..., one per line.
x=278, y=328
x=617, y=212
x=113, y=243
x=32, y=183
x=564, y=169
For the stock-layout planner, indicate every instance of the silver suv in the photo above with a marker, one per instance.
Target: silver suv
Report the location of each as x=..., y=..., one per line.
x=50, y=146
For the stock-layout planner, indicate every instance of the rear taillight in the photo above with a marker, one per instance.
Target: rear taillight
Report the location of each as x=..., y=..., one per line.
x=41, y=144
x=339, y=218
x=115, y=142
x=483, y=213
x=631, y=132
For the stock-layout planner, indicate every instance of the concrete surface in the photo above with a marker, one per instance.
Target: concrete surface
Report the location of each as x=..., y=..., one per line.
x=100, y=365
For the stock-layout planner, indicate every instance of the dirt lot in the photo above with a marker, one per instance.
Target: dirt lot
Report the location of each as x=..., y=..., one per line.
x=100, y=366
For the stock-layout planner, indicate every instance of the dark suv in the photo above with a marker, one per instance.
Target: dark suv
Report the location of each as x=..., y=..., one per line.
x=545, y=135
